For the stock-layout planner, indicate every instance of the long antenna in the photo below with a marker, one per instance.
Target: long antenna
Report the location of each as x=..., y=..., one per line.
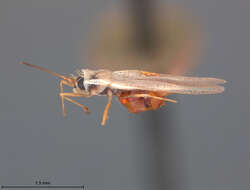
x=46, y=70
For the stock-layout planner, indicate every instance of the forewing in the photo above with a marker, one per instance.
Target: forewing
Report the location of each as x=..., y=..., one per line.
x=158, y=86
x=173, y=79
x=139, y=80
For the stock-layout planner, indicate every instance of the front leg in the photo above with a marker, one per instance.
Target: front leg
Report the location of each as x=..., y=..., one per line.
x=66, y=97
x=63, y=82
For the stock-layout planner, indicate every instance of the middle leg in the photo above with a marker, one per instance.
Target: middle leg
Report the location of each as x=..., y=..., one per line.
x=106, y=110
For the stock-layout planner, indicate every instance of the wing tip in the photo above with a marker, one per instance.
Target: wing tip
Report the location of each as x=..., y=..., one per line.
x=221, y=81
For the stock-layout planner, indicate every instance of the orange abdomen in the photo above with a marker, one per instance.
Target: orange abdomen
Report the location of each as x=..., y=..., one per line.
x=139, y=104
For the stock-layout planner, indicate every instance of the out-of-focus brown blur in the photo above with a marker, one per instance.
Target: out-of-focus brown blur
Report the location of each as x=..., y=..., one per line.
x=151, y=37
x=176, y=39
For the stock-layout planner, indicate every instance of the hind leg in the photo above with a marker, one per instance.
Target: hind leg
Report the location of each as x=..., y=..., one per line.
x=150, y=96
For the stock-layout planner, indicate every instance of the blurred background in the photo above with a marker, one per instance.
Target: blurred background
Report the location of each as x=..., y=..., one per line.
x=199, y=143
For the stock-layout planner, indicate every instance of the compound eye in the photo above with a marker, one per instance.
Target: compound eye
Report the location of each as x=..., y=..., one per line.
x=80, y=83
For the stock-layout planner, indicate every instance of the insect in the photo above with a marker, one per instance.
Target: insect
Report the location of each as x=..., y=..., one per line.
x=137, y=90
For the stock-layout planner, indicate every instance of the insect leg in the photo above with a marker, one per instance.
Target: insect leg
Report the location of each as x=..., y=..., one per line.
x=106, y=110
x=78, y=104
x=150, y=96
x=67, y=95
x=63, y=82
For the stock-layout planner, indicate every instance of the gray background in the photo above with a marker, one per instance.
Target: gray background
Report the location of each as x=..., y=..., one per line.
x=210, y=137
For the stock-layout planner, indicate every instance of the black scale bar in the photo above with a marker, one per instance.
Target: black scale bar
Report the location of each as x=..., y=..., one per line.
x=41, y=186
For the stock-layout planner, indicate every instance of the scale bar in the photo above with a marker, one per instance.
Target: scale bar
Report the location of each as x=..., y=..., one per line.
x=42, y=186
